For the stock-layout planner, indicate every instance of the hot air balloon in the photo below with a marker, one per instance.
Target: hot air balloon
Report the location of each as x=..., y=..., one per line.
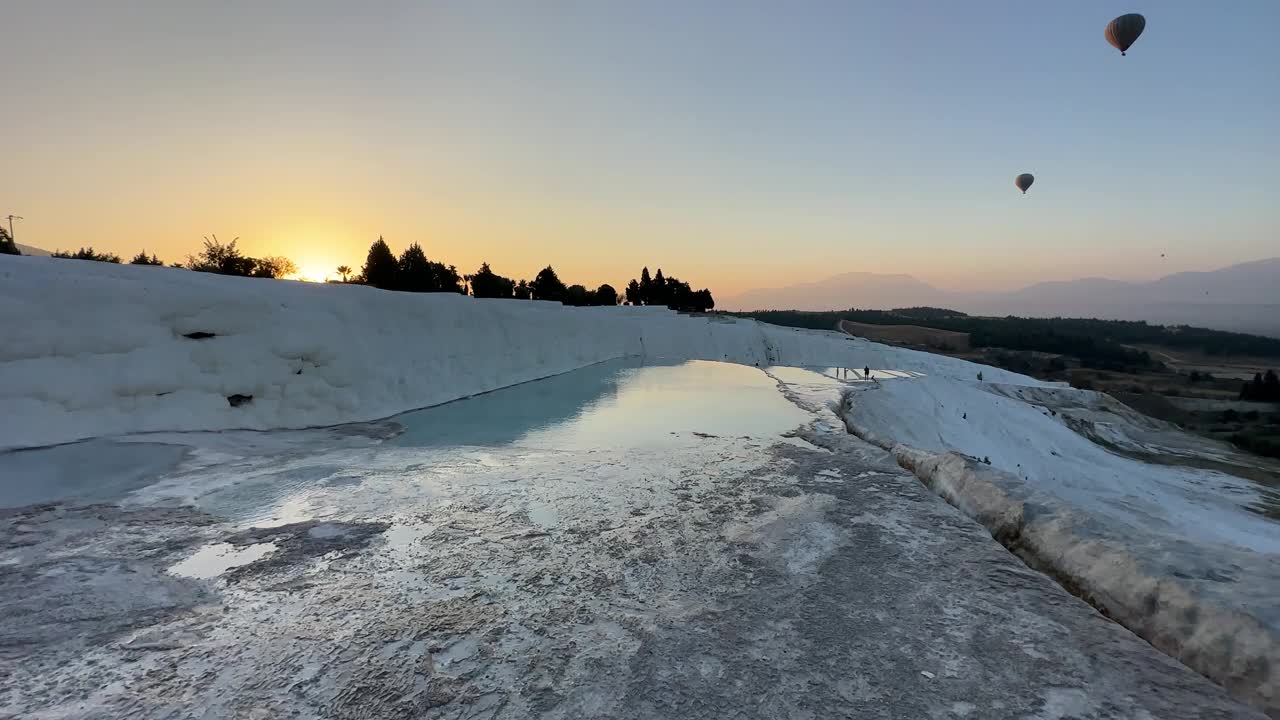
x=1124, y=30
x=1024, y=181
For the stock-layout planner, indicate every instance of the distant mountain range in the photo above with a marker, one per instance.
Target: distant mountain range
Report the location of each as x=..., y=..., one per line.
x=1242, y=298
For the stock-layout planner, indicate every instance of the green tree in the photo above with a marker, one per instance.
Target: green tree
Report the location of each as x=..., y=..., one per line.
x=1252, y=389
x=344, y=271
x=705, y=302
x=547, y=285
x=645, y=287
x=1270, y=387
x=487, y=284
x=633, y=293
x=380, y=267
x=226, y=259
x=445, y=278
x=416, y=273
x=678, y=294
x=606, y=295
x=523, y=292
x=578, y=296
x=7, y=245
x=660, y=293
x=221, y=258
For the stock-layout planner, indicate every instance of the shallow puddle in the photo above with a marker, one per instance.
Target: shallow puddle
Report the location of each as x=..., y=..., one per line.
x=213, y=560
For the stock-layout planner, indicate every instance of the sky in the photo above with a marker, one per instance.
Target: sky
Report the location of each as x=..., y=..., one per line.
x=734, y=144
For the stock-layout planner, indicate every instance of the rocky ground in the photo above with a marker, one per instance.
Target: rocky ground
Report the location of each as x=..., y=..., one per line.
x=711, y=577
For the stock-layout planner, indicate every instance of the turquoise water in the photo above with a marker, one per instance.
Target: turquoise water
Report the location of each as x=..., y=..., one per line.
x=616, y=404
x=89, y=471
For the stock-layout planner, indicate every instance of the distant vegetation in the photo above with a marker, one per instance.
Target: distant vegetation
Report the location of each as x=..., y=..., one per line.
x=1097, y=343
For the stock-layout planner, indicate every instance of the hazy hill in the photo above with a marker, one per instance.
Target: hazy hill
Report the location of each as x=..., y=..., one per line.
x=855, y=289
x=1244, y=297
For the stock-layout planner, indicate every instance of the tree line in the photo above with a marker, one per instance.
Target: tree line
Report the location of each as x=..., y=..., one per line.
x=216, y=257
x=414, y=272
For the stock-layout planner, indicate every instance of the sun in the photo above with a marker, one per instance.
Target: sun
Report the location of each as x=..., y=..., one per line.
x=313, y=272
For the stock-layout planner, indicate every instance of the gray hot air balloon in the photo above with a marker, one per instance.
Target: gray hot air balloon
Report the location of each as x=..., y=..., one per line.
x=1024, y=181
x=1124, y=30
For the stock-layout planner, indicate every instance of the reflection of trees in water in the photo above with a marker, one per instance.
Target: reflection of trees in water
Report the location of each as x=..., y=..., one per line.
x=503, y=416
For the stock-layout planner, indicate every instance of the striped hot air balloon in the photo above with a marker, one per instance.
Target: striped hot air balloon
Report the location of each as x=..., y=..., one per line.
x=1024, y=181
x=1124, y=30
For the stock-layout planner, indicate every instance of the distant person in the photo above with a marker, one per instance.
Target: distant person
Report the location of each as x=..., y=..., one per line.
x=866, y=372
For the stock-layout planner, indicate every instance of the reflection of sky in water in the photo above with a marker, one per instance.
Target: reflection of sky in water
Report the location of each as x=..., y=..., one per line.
x=90, y=471
x=615, y=404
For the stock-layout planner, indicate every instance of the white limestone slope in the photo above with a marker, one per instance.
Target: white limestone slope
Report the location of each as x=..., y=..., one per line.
x=1178, y=554
x=92, y=349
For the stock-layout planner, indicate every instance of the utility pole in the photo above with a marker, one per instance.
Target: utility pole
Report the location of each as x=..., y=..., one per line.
x=11, y=218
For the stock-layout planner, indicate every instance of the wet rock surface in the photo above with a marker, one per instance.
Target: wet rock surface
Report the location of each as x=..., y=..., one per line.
x=79, y=578
x=297, y=542
x=806, y=576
